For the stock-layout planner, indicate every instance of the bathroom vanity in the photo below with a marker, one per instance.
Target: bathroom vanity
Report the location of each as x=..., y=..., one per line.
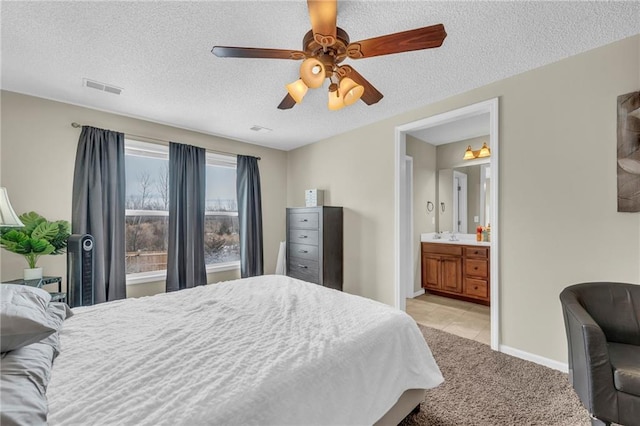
x=457, y=269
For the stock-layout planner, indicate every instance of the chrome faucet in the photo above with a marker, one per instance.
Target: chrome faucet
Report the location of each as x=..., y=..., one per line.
x=453, y=237
x=436, y=236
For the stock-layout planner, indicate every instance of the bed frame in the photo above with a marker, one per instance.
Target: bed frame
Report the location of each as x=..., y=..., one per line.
x=408, y=403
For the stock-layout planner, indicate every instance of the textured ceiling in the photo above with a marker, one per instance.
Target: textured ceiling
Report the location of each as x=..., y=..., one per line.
x=159, y=53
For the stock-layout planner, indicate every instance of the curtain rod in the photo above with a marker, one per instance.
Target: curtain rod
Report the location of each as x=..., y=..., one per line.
x=77, y=126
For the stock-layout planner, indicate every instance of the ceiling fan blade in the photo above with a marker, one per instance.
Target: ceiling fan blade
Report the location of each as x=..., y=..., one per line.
x=251, y=52
x=323, y=15
x=287, y=103
x=406, y=41
x=371, y=95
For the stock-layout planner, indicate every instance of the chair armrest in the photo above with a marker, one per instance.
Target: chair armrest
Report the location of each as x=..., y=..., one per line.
x=589, y=367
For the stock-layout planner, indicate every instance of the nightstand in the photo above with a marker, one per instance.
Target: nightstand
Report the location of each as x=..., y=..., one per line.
x=58, y=296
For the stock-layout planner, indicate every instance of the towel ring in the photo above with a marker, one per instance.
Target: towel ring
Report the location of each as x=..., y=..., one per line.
x=429, y=206
x=442, y=206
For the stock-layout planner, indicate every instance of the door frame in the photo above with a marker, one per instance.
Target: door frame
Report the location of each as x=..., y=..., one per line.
x=460, y=201
x=409, y=215
x=483, y=182
x=400, y=227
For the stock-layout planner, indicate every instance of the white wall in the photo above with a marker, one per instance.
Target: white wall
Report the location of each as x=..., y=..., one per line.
x=558, y=218
x=37, y=160
x=424, y=190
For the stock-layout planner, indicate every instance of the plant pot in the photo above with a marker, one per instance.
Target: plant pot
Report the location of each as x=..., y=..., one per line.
x=32, y=273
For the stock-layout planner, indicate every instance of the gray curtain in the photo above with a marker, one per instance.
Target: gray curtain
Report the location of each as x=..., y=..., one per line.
x=98, y=207
x=249, y=216
x=185, y=257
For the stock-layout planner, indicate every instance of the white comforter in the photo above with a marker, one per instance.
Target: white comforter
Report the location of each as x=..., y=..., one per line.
x=264, y=350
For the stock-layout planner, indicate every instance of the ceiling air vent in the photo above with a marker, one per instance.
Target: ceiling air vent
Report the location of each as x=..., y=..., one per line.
x=101, y=86
x=260, y=129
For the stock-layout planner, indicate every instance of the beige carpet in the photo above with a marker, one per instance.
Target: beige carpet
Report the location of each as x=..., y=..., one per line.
x=484, y=387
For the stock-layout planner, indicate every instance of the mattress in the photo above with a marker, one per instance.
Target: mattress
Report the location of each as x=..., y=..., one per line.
x=263, y=350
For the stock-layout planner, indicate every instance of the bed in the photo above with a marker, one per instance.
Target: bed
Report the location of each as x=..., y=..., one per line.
x=264, y=350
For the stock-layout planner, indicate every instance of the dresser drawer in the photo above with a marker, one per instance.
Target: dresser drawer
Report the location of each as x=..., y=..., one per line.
x=479, y=252
x=303, y=220
x=476, y=267
x=440, y=248
x=303, y=251
x=305, y=270
x=474, y=287
x=303, y=236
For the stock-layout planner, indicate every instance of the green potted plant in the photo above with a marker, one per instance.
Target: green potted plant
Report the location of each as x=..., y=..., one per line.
x=37, y=238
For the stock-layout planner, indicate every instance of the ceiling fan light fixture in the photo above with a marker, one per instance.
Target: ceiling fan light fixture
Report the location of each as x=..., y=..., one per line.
x=468, y=154
x=326, y=45
x=297, y=90
x=484, y=151
x=351, y=91
x=312, y=73
x=335, y=99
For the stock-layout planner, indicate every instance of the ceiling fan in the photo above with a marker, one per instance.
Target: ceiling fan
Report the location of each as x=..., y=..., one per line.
x=325, y=46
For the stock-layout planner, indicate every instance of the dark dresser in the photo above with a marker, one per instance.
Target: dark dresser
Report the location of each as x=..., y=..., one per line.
x=314, y=245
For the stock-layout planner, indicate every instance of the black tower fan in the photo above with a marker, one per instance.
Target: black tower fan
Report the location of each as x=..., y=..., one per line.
x=80, y=253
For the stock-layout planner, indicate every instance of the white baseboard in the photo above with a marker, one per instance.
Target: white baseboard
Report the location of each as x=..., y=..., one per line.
x=418, y=293
x=556, y=365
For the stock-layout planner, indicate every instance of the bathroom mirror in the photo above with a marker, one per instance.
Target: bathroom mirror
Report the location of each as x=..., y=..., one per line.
x=463, y=198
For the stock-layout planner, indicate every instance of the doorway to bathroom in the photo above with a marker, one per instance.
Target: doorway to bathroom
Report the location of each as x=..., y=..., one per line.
x=435, y=197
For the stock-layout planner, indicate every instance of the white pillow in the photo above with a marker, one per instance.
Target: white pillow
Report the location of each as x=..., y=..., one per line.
x=23, y=316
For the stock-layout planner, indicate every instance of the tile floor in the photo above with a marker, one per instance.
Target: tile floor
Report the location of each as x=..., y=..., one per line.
x=458, y=317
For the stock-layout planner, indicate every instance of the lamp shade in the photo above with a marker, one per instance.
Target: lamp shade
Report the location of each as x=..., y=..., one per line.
x=336, y=101
x=312, y=73
x=468, y=154
x=8, y=217
x=351, y=91
x=484, y=151
x=297, y=90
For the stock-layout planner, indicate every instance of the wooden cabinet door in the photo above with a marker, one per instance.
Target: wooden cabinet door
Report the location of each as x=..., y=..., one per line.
x=451, y=274
x=430, y=271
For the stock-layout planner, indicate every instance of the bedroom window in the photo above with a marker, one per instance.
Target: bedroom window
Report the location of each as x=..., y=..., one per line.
x=221, y=238
x=147, y=212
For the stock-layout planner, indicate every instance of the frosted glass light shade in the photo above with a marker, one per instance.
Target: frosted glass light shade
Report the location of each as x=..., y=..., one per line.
x=484, y=151
x=336, y=101
x=468, y=154
x=351, y=91
x=297, y=90
x=312, y=73
x=8, y=217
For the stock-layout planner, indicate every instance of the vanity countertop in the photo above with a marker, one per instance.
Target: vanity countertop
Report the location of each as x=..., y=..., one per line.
x=462, y=239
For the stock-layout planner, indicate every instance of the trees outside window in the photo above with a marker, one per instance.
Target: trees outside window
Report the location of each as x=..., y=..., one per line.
x=147, y=208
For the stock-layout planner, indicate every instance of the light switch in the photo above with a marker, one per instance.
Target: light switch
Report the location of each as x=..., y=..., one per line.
x=476, y=219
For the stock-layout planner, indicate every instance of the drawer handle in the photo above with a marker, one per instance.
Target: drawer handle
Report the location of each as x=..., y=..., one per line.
x=302, y=236
x=302, y=266
x=475, y=288
x=475, y=268
x=304, y=220
x=477, y=252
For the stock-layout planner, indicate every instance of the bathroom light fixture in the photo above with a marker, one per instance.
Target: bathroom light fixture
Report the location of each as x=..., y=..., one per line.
x=8, y=217
x=483, y=152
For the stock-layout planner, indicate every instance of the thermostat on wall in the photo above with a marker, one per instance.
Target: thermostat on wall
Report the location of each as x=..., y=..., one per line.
x=313, y=197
